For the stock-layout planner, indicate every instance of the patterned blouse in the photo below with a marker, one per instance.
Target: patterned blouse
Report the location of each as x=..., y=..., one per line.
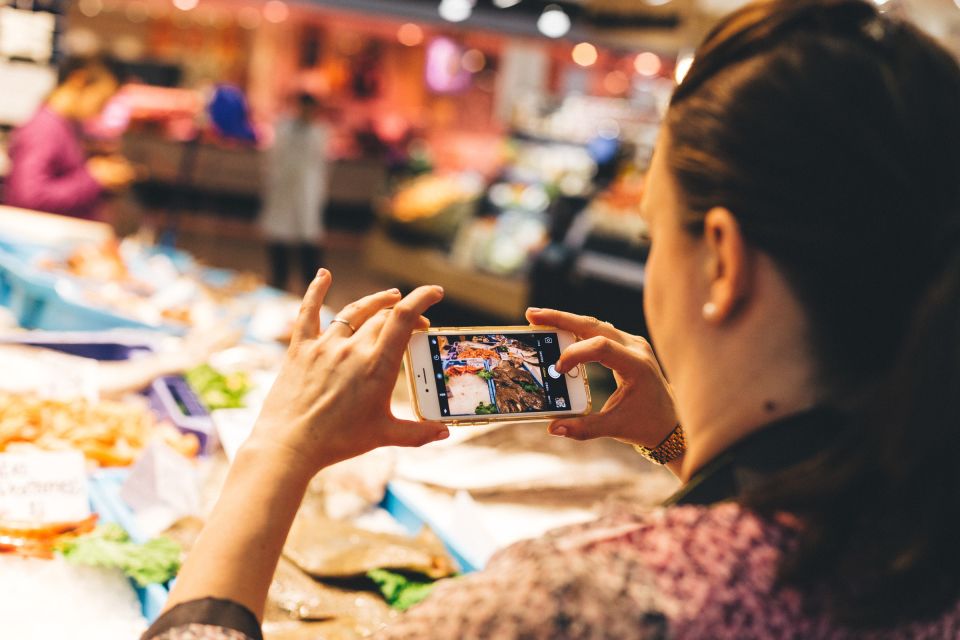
x=700, y=568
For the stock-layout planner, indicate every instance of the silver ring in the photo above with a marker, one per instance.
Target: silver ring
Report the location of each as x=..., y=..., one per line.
x=342, y=321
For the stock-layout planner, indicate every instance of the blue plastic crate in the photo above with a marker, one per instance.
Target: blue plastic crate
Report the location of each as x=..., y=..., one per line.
x=33, y=298
x=413, y=520
x=105, y=501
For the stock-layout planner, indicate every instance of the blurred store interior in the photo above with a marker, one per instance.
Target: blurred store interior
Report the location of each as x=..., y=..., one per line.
x=497, y=147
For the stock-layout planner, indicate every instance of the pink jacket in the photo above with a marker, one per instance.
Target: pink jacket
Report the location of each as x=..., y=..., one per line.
x=49, y=170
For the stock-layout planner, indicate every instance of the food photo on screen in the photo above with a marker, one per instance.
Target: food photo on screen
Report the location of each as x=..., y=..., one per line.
x=497, y=374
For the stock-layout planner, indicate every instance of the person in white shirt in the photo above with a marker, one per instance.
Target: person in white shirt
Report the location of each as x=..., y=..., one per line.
x=295, y=193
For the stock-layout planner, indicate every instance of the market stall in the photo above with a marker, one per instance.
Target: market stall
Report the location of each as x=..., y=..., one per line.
x=134, y=415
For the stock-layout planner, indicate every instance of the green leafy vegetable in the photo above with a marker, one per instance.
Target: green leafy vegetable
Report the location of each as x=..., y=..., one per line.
x=154, y=562
x=398, y=590
x=530, y=387
x=218, y=390
x=446, y=379
x=484, y=409
x=486, y=375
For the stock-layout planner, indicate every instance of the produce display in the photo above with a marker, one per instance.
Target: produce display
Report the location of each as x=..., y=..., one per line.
x=218, y=390
x=109, y=433
x=348, y=566
x=428, y=195
x=153, y=562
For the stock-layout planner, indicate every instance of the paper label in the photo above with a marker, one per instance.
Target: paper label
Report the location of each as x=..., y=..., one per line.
x=43, y=487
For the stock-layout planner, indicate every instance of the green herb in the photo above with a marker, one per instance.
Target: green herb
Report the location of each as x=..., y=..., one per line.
x=484, y=409
x=154, y=562
x=530, y=387
x=446, y=379
x=486, y=375
x=398, y=590
x=218, y=390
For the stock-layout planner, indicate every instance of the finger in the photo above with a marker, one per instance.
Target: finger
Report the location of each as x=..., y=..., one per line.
x=408, y=433
x=595, y=425
x=404, y=318
x=307, y=325
x=582, y=326
x=358, y=312
x=607, y=352
x=371, y=328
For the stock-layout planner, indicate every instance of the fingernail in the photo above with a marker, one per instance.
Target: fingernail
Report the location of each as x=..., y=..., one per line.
x=394, y=291
x=534, y=309
x=321, y=272
x=439, y=288
x=443, y=435
x=559, y=430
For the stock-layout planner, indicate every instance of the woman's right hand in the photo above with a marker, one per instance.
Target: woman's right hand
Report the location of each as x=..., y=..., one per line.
x=642, y=409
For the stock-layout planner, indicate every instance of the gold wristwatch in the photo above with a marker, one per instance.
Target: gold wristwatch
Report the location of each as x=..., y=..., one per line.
x=669, y=449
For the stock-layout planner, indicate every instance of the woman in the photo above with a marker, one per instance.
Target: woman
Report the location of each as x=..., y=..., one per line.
x=804, y=297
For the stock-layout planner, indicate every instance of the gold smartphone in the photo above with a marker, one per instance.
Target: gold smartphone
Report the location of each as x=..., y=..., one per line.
x=475, y=375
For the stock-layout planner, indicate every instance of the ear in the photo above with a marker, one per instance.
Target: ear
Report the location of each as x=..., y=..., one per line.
x=728, y=264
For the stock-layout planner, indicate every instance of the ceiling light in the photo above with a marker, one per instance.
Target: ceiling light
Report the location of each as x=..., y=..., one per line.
x=455, y=10
x=554, y=22
x=276, y=11
x=410, y=35
x=186, y=5
x=505, y=4
x=584, y=54
x=616, y=82
x=647, y=64
x=473, y=61
x=90, y=8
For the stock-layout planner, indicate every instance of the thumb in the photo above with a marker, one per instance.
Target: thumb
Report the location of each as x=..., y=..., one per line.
x=410, y=433
x=583, y=428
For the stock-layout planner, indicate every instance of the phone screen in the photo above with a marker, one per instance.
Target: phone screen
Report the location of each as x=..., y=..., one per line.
x=497, y=373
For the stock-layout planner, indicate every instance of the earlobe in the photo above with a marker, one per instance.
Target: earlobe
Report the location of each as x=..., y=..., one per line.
x=727, y=264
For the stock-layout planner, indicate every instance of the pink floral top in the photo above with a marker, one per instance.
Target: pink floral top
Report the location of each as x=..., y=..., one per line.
x=703, y=568
x=679, y=572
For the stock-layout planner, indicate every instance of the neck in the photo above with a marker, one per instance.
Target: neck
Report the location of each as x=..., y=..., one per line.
x=754, y=371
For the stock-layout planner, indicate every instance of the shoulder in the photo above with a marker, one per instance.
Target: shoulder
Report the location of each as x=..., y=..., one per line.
x=632, y=575
x=705, y=570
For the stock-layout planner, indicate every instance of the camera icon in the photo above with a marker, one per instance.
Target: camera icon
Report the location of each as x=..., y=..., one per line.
x=548, y=340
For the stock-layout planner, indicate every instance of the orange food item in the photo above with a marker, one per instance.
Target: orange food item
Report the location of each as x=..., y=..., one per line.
x=459, y=370
x=108, y=433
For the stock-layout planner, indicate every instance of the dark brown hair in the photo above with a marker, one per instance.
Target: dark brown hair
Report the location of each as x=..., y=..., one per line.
x=832, y=133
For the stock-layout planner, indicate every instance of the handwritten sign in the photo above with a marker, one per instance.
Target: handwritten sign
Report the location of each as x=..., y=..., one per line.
x=43, y=487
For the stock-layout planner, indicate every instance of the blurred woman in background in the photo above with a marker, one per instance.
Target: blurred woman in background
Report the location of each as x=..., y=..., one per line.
x=803, y=295
x=50, y=170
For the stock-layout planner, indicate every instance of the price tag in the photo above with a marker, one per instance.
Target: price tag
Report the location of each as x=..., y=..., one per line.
x=43, y=487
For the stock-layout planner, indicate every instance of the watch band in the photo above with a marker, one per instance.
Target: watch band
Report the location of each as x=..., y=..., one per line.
x=671, y=448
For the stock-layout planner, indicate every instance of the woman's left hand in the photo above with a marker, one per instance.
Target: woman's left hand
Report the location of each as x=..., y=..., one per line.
x=331, y=400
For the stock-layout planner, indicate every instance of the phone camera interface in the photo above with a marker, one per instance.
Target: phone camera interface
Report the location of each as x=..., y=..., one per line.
x=498, y=373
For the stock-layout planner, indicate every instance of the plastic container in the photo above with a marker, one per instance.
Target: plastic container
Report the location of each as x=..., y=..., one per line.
x=172, y=398
x=413, y=520
x=33, y=299
x=105, y=500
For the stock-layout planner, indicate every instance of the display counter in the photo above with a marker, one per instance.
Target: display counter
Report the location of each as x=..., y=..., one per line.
x=236, y=170
x=416, y=266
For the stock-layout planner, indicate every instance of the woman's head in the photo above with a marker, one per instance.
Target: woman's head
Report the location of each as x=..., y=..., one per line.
x=820, y=142
x=832, y=136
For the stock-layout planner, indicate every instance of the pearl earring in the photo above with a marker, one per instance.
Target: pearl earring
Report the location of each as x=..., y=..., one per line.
x=709, y=311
